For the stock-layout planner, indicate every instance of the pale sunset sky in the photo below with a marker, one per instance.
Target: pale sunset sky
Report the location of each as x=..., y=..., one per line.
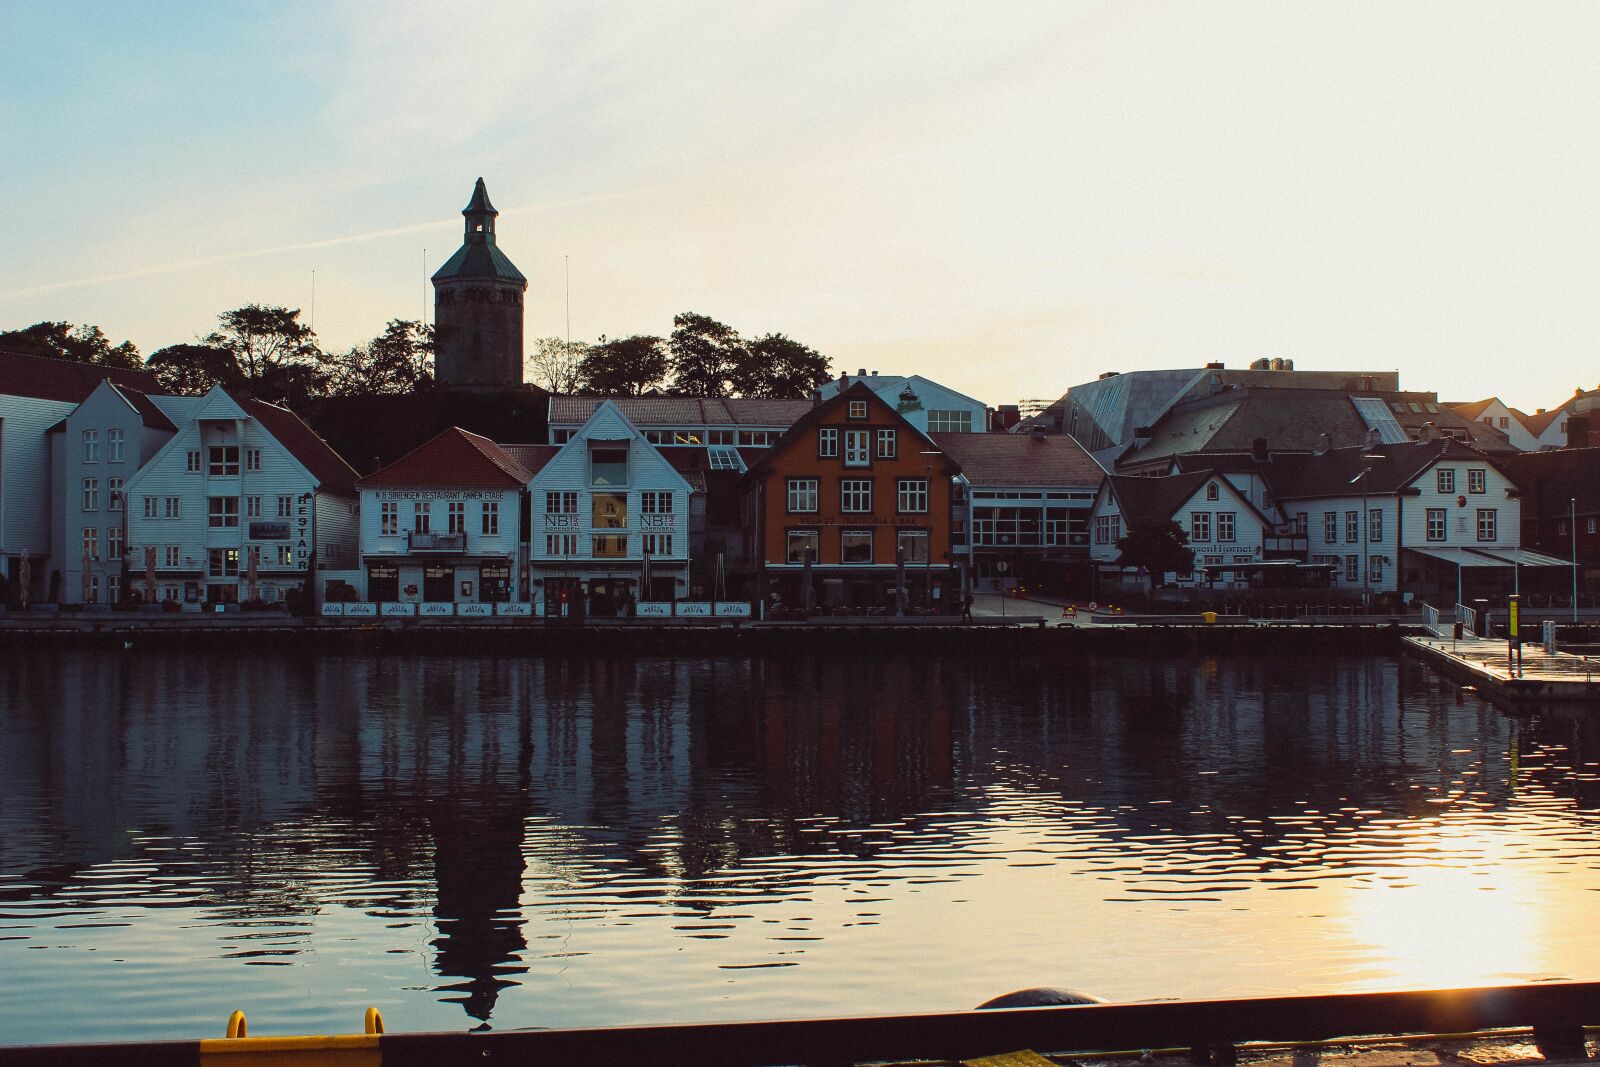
x=1009, y=198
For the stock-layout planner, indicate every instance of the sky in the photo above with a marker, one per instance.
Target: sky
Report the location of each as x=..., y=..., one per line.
x=1008, y=198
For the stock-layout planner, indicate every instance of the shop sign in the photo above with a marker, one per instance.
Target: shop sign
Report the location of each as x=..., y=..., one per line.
x=515, y=608
x=435, y=608
x=475, y=611
x=332, y=609
x=726, y=610
x=302, y=526
x=656, y=522
x=436, y=494
x=653, y=609
x=688, y=609
x=395, y=610
x=269, y=531
x=361, y=611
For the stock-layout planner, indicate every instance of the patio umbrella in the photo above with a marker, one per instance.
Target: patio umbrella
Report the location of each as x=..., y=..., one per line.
x=86, y=574
x=250, y=570
x=900, y=581
x=805, y=583
x=25, y=577
x=150, y=574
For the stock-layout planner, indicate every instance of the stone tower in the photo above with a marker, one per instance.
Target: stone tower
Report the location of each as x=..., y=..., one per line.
x=477, y=307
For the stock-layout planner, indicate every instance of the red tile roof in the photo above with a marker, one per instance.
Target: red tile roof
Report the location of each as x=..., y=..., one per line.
x=325, y=465
x=60, y=379
x=454, y=458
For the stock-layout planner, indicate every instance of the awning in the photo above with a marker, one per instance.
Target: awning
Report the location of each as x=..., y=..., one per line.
x=1491, y=557
x=1267, y=565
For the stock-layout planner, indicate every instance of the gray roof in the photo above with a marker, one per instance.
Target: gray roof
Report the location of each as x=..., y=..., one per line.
x=682, y=411
x=1004, y=459
x=479, y=259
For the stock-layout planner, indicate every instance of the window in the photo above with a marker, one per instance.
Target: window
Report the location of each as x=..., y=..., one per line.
x=561, y=544
x=1330, y=527
x=91, y=543
x=1352, y=568
x=1375, y=525
x=1375, y=568
x=252, y=507
x=655, y=502
x=171, y=508
x=724, y=459
x=855, y=546
x=116, y=446
x=828, y=442
x=755, y=438
x=1212, y=492
x=858, y=409
x=285, y=507
x=222, y=562
x=886, y=444
x=1505, y=420
x=91, y=446
x=457, y=517
x=1107, y=529
x=222, y=512
x=912, y=545
x=388, y=518
x=171, y=556
x=855, y=495
x=285, y=556
x=114, y=543
x=855, y=449
x=489, y=518
x=222, y=461
x=421, y=517
x=949, y=421
x=1588, y=525
x=561, y=503
x=609, y=511
x=91, y=494
x=1352, y=527
x=115, y=495
x=252, y=459
x=1477, y=480
x=1447, y=479
x=686, y=437
x=608, y=465
x=560, y=437
x=191, y=461
x=802, y=494
x=802, y=542
x=658, y=544
x=94, y=590
x=1488, y=524
x=1436, y=524
x=1200, y=526
x=1225, y=526
x=610, y=546
x=913, y=496
x=719, y=437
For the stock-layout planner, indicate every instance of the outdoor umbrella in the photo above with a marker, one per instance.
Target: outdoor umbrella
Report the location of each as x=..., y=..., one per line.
x=25, y=578
x=150, y=574
x=250, y=571
x=805, y=583
x=900, y=581
x=86, y=574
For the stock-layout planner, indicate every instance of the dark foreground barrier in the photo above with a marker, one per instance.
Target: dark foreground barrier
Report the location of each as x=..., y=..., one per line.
x=1211, y=1027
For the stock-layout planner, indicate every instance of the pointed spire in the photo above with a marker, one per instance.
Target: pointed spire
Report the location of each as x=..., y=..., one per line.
x=480, y=216
x=480, y=202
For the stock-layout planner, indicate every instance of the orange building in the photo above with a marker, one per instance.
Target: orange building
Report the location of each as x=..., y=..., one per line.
x=851, y=497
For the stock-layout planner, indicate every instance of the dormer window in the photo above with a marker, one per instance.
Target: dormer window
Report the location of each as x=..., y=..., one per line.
x=858, y=409
x=1211, y=491
x=608, y=465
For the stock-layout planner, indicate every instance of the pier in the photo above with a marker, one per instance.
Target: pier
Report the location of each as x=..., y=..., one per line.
x=1487, y=662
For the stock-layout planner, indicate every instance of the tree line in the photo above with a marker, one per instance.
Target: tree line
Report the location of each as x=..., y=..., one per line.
x=271, y=353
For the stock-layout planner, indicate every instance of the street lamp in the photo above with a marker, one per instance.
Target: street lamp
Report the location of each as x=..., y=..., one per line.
x=927, y=558
x=1573, y=529
x=1366, y=523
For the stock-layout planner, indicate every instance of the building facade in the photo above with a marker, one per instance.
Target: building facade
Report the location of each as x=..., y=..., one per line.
x=1228, y=535
x=478, y=306
x=609, y=522
x=924, y=403
x=443, y=526
x=243, y=502
x=850, y=500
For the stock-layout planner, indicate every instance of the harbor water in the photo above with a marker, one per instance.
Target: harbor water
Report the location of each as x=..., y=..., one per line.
x=507, y=842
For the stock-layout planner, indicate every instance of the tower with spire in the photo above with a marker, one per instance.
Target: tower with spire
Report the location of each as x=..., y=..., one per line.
x=477, y=307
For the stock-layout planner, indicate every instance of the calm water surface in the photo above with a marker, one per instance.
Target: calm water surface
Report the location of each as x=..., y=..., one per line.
x=481, y=842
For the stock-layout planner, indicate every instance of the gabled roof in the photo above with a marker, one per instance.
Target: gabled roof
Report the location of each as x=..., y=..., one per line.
x=325, y=465
x=1554, y=479
x=858, y=390
x=149, y=414
x=1473, y=410
x=455, y=458
x=532, y=457
x=1143, y=500
x=1540, y=421
x=681, y=411
x=995, y=459
x=60, y=379
x=1338, y=471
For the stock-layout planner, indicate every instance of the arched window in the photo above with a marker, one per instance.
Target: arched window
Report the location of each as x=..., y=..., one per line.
x=1211, y=491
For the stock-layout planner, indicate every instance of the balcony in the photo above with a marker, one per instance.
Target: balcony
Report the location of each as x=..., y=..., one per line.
x=436, y=542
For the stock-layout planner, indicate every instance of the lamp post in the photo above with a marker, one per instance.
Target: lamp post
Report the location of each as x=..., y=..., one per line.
x=1573, y=528
x=927, y=561
x=1366, y=524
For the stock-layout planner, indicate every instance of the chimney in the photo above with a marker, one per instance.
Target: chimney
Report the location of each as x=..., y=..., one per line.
x=1540, y=411
x=1258, y=449
x=861, y=373
x=1113, y=374
x=1427, y=432
x=1214, y=366
x=844, y=381
x=1037, y=433
x=1261, y=364
x=816, y=397
x=1324, y=443
x=1374, y=438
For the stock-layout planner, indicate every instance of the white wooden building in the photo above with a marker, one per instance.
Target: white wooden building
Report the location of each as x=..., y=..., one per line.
x=609, y=521
x=441, y=528
x=243, y=500
x=1225, y=529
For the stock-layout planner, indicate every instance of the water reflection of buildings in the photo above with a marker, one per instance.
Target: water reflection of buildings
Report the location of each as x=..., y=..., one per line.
x=457, y=789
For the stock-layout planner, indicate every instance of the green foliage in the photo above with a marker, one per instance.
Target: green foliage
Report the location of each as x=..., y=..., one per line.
x=80, y=344
x=193, y=369
x=399, y=360
x=557, y=364
x=277, y=353
x=705, y=354
x=779, y=367
x=628, y=366
x=1158, y=547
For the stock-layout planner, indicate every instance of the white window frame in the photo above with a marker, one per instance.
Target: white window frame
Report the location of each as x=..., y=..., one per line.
x=1227, y=527
x=857, y=491
x=1436, y=520
x=1445, y=479
x=828, y=442
x=1477, y=480
x=1488, y=522
x=219, y=515
x=887, y=443
x=803, y=496
x=911, y=496
x=91, y=494
x=91, y=446
x=388, y=518
x=489, y=518
x=116, y=445
x=1200, y=526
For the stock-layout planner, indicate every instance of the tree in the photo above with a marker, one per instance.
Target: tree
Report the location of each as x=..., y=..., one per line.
x=277, y=353
x=1158, y=546
x=778, y=367
x=193, y=369
x=399, y=360
x=628, y=366
x=704, y=355
x=80, y=344
x=557, y=365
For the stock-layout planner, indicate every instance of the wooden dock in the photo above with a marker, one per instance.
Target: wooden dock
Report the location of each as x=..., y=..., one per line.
x=1541, y=677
